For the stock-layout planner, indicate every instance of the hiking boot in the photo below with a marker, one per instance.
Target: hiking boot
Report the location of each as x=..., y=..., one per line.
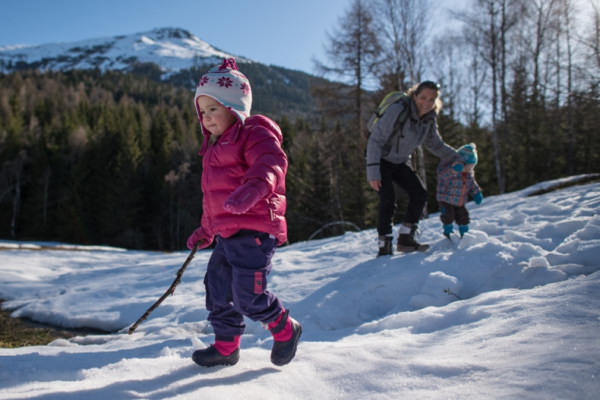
x=462, y=229
x=286, y=334
x=385, y=246
x=407, y=242
x=211, y=357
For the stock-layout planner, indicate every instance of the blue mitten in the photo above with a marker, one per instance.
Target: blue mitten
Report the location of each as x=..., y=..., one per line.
x=478, y=198
x=458, y=167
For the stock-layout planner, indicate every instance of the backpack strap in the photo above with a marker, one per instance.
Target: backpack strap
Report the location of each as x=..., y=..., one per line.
x=391, y=98
x=406, y=101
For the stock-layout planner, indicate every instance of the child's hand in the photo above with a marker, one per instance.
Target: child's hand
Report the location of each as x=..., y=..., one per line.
x=199, y=235
x=242, y=199
x=478, y=198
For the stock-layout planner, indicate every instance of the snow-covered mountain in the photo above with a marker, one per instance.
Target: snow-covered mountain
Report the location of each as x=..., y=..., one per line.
x=172, y=55
x=172, y=49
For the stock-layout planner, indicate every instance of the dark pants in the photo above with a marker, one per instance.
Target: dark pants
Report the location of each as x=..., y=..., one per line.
x=450, y=213
x=407, y=179
x=236, y=283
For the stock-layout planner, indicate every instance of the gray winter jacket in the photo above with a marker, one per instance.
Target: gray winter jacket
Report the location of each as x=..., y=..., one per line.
x=395, y=142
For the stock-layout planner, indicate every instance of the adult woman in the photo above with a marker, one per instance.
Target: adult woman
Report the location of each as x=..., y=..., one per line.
x=389, y=150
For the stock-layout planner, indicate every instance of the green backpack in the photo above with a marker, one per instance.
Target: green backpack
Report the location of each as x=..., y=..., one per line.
x=388, y=100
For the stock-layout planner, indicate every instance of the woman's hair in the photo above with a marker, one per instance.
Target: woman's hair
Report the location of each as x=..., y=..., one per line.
x=416, y=89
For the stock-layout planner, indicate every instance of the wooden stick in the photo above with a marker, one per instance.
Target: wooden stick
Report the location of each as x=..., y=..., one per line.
x=169, y=291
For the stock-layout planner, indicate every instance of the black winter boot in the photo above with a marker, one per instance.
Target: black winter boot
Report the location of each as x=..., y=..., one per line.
x=211, y=357
x=407, y=242
x=283, y=352
x=385, y=246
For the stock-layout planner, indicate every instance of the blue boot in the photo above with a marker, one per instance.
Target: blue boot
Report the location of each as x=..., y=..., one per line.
x=462, y=229
x=448, y=230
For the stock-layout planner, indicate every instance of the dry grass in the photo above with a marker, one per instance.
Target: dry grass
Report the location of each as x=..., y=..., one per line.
x=17, y=333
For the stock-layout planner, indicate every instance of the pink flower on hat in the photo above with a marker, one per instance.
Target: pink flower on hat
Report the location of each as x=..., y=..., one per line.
x=225, y=81
x=203, y=81
x=245, y=88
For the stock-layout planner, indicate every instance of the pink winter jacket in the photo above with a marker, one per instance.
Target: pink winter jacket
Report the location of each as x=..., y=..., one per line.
x=249, y=152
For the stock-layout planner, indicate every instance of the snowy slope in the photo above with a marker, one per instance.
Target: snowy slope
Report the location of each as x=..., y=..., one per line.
x=172, y=49
x=527, y=327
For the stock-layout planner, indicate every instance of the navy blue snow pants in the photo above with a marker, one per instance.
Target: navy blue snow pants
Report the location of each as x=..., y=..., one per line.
x=236, y=283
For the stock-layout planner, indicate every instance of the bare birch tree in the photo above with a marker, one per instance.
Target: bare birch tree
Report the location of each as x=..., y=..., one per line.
x=474, y=81
x=591, y=42
x=481, y=30
x=567, y=27
x=353, y=52
x=404, y=27
x=488, y=29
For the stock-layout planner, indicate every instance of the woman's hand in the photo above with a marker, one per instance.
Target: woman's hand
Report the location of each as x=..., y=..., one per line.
x=375, y=184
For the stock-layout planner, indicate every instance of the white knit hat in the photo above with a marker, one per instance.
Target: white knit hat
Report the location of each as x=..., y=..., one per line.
x=227, y=85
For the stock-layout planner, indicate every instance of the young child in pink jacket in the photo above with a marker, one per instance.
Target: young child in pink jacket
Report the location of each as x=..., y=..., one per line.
x=243, y=183
x=456, y=182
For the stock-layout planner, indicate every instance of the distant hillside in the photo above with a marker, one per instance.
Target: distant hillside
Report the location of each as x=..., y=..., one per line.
x=171, y=55
x=171, y=49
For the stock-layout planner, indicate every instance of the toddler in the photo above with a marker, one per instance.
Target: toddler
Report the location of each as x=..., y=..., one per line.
x=456, y=181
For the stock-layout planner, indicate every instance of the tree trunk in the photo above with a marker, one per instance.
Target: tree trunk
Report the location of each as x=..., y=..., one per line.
x=46, y=180
x=494, y=68
x=570, y=129
x=17, y=197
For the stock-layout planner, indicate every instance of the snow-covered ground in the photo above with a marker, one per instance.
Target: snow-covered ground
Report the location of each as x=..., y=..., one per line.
x=527, y=325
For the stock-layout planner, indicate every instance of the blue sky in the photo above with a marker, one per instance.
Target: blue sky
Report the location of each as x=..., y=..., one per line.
x=287, y=33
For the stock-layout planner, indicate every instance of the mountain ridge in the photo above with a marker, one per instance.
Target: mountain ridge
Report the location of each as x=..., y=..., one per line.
x=170, y=55
x=172, y=49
